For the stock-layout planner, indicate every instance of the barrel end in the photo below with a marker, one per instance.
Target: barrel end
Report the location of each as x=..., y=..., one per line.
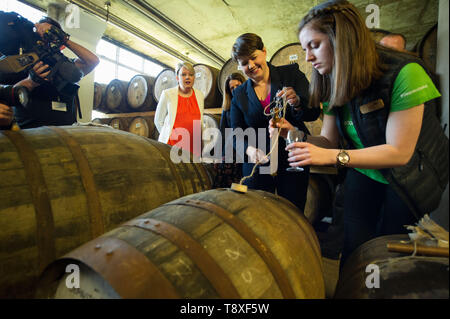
x=239, y=188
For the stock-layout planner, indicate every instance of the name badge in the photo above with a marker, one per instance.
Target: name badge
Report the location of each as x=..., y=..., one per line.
x=371, y=106
x=59, y=106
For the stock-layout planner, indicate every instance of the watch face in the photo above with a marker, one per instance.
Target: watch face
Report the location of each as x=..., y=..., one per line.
x=343, y=158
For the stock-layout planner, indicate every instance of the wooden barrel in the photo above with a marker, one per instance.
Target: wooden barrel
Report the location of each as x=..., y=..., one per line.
x=401, y=275
x=142, y=126
x=119, y=123
x=140, y=93
x=213, y=244
x=99, y=96
x=228, y=68
x=319, y=198
x=166, y=79
x=292, y=53
x=427, y=48
x=206, y=81
x=116, y=96
x=63, y=186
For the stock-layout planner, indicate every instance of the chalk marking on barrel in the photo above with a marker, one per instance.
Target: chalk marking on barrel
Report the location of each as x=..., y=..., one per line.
x=247, y=276
x=199, y=256
x=248, y=234
x=233, y=254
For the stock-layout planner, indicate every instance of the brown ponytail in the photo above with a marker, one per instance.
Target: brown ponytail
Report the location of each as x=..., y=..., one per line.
x=356, y=61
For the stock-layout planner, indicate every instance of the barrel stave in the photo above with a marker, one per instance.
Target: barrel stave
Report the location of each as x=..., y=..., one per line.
x=221, y=231
x=125, y=186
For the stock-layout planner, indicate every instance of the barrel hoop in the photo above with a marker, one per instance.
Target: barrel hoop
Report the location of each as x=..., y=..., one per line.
x=202, y=176
x=248, y=234
x=184, y=168
x=207, y=175
x=126, y=269
x=207, y=265
x=45, y=228
x=173, y=169
x=87, y=177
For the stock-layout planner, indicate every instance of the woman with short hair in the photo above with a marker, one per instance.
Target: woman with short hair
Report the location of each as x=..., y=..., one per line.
x=248, y=107
x=179, y=112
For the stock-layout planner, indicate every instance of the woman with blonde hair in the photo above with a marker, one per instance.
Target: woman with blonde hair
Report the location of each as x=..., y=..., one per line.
x=179, y=112
x=375, y=99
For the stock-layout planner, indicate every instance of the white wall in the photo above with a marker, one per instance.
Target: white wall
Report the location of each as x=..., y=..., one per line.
x=86, y=30
x=442, y=69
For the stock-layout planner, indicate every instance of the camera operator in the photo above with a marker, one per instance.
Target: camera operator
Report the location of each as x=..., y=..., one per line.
x=51, y=96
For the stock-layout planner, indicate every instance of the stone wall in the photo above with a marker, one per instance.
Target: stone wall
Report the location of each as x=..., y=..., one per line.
x=412, y=18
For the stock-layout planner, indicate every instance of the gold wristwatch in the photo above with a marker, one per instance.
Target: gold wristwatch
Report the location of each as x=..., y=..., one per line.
x=342, y=158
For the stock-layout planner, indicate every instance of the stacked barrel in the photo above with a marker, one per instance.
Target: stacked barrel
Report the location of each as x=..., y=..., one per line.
x=135, y=101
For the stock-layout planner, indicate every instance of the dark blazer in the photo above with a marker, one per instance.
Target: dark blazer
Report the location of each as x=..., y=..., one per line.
x=246, y=110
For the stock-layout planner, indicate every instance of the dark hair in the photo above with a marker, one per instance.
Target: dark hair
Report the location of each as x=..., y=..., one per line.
x=50, y=21
x=378, y=34
x=245, y=45
x=356, y=62
x=226, y=90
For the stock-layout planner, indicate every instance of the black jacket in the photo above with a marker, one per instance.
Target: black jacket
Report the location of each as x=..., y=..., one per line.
x=247, y=112
x=421, y=182
x=15, y=33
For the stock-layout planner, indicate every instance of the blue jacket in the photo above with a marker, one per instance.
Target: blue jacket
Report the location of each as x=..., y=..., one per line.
x=246, y=110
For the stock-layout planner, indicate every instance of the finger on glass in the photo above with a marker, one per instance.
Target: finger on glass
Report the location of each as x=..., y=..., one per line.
x=293, y=136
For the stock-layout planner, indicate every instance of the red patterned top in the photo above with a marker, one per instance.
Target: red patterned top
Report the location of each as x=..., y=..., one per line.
x=187, y=112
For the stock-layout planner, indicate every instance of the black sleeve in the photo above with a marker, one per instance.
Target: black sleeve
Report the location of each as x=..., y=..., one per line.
x=301, y=86
x=238, y=121
x=224, y=122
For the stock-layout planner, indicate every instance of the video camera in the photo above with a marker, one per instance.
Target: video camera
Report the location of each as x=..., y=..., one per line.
x=11, y=95
x=63, y=72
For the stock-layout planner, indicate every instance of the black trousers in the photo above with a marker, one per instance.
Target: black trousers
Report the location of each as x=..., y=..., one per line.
x=371, y=209
x=291, y=185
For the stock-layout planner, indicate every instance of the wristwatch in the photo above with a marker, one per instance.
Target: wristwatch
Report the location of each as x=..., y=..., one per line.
x=342, y=158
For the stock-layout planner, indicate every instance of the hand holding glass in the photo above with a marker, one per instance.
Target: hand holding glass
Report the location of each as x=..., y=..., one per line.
x=293, y=136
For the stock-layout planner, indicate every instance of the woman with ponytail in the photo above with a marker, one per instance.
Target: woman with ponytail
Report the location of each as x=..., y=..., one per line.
x=374, y=99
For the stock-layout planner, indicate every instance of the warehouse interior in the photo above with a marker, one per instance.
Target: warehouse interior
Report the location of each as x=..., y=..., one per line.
x=148, y=37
